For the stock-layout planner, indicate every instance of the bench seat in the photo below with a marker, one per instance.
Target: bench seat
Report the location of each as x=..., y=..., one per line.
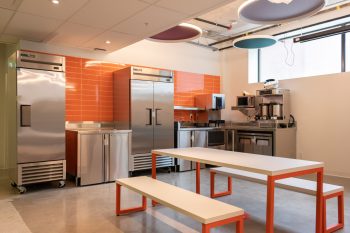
x=203, y=209
x=293, y=184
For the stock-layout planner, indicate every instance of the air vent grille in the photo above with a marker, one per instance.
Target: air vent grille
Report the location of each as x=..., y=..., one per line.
x=142, y=162
x=42, y=172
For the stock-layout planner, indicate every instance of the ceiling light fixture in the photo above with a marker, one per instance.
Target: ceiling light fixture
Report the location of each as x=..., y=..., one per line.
x=56, y=2
x=180, y=33
x=278, y=11
x=108, y=42
x=254, y=42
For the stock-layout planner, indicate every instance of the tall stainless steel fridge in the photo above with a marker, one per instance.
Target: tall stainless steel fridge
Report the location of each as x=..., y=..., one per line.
x=144, y=103
x=40, y=120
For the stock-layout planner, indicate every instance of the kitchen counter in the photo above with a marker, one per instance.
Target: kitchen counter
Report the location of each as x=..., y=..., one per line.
x=102, y=131
x=197, y=128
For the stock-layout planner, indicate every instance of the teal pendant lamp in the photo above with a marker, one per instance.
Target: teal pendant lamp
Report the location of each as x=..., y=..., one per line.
x=254, y=42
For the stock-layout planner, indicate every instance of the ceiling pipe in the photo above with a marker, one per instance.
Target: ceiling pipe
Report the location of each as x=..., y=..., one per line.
x=203, y=45
x=213, y=23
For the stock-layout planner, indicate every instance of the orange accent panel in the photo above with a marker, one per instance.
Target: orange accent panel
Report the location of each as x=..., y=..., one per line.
x=186, y=86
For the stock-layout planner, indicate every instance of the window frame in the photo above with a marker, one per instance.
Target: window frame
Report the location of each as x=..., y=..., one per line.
x=294, y=32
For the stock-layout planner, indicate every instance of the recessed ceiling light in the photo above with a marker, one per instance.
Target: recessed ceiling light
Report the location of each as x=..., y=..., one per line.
x=55, y=2
x=108, y=42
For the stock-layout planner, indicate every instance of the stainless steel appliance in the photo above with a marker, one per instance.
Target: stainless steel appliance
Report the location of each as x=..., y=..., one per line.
x=276, y=111
x=190, y=138
x=103, y=156
x=40, y=120
x=246, y=101
x=255, y=142
x=274, y=102
x=264, y=111
x=210, y=101
x=144, y=103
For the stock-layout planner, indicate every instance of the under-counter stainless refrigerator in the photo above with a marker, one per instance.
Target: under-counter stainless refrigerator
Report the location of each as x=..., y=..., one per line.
x=144, y=103
x=40, y=120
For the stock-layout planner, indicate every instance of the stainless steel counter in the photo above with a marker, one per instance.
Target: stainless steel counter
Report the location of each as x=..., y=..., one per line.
x=99, y=131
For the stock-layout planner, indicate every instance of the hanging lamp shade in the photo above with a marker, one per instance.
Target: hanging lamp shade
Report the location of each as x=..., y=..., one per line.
x=278, y=11
x=254, y=42
x=180, y=33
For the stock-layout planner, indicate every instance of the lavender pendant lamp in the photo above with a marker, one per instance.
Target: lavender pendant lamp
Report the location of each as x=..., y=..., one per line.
x=278, y=11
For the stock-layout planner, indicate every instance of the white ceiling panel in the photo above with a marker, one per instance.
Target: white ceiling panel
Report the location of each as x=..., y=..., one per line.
x=5, y=16
x=74, y=34
x=190, y=7
x=118, y=40
x=31, y=27
x=46, y=8
x=10, y=4
x=106, y=13
x=152, y=20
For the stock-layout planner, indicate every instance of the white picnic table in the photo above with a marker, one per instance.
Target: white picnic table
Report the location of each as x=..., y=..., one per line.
x=275, y=168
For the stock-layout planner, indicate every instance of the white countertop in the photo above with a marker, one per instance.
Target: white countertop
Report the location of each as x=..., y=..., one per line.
x=267, y=165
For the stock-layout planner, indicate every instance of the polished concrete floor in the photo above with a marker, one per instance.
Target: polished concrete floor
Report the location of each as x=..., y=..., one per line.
x=47, y=209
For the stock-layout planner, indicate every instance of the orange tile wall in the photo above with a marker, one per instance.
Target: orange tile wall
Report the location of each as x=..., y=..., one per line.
x=186, y=86
x=89, y=90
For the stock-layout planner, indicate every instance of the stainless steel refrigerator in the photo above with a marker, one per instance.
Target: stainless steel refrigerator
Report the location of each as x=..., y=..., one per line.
x=40, y=120
x=144, y=103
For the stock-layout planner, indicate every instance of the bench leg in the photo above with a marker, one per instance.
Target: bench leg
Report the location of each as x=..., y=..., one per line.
x=239, y=220
x=119, y=211
x=212, y=186
x=340, y=224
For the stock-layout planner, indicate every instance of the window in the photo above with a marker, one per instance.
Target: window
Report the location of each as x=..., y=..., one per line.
x=293, y=60
x=287, y=60
x=347, y=52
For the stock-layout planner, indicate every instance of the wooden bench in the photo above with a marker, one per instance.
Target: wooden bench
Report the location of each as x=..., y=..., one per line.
x=211, y=213
x=294, y=184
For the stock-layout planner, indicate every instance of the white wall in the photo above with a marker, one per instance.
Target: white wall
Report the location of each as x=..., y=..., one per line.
x=174, y=56
x=320, y=105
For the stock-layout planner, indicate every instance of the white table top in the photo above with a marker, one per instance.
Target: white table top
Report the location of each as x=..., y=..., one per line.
x=267, y=165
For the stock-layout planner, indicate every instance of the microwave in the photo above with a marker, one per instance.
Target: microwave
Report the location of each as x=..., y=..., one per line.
x=210, y=101
x=246, y=101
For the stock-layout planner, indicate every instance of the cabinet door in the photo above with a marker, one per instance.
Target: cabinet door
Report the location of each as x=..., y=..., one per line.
x=200, y=138
x=91, y=159
x=184, y=141
x=163, y=115
x=142, y=119
x=119, y=152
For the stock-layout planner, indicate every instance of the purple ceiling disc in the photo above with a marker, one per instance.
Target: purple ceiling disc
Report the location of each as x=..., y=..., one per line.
x=180, y=33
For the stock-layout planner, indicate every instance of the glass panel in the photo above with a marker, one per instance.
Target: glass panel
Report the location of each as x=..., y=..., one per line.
x=347, y=52
x=288, y=60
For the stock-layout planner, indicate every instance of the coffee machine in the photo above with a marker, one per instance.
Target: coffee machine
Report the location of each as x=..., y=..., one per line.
x=273, y=105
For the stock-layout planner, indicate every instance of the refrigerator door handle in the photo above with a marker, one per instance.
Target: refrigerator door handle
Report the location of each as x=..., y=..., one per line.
x=106, y=157
x=25, y=115
x=156, y=111
x=150, y=116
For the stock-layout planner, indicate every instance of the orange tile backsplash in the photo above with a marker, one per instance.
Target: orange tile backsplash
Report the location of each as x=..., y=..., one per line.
x=186, y=86
x=89, y=90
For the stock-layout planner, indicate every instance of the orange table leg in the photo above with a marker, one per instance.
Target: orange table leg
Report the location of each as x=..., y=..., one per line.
x=319, y=203
x=340, y=224
x=270, y=204
x=198, y=177
x=119, y=211
x=239, y=220
x=212, y=186
x=154, y=172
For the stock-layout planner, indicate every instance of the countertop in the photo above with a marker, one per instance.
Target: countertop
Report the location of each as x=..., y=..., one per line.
x=99, y=131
